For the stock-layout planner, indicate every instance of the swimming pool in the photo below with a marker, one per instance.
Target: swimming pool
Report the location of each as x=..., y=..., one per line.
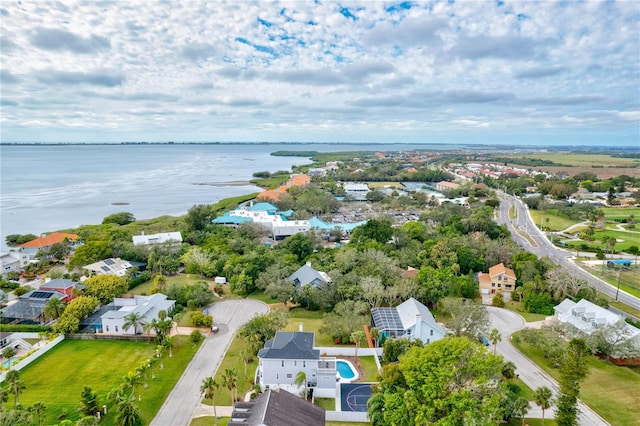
x=346, y=371
x=9, y=362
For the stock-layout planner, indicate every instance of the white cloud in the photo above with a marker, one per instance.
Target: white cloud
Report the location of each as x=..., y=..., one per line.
x=301, y=71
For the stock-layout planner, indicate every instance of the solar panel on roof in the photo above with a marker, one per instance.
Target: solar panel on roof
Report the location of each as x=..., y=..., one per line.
x=41, y=295
x=109, y=262
x=105, y=268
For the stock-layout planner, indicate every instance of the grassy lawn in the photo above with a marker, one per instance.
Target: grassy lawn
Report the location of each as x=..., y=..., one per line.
x=625, y=308
x=528, y=316
x=526, y=392
x=262, y=296
x=583, y=160
x=625, y=239
x=549, y=220
x=208, y=421
x=311, y=321
x=621, y=212
x=234, y=361
x=609, y=390
x=328, y=404
x=180, y=280
x=100, y=365
x=628, y=282
x=368, y=364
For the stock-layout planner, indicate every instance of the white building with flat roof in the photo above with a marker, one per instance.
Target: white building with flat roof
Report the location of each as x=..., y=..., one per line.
x=356, y=191
x=143, y=240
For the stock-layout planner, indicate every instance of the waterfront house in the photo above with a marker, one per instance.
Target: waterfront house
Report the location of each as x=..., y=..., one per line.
x=500, y=279
x=289, y=353
x=411, y=319
x=277, y=407
x=152, y=239
x=13, y=261
x=45, y=241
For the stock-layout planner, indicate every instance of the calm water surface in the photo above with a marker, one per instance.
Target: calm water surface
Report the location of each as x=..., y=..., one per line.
x=44, y=188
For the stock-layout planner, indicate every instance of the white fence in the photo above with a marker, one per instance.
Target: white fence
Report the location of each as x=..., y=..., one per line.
x=35, y=355
x=346, y=416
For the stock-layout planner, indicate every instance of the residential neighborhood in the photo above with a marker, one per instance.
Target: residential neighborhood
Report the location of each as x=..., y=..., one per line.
x=332, y=296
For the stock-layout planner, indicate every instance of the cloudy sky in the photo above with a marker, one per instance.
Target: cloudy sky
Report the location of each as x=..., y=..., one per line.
x=539, y=72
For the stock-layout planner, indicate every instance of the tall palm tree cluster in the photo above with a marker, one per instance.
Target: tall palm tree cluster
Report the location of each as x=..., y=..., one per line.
x=209, y=387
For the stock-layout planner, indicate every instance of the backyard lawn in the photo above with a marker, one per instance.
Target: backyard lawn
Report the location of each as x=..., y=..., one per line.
x=181, y=280
x=609, y=390
x=311, y=321
x=57, y=377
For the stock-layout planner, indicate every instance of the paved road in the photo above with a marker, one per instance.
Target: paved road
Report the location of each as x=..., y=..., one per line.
x=508, y=322
x=185, y=397
x=543, y=247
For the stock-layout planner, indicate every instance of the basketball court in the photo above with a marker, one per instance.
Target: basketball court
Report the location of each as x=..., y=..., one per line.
x=354, y=396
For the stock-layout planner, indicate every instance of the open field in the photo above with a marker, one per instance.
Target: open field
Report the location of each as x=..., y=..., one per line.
x=100, y=365
x=208, y=421
x=621, y=211
x=584, y=159
x=180, y=280
x=610, y=390
x=629, y=281
x=551, y=221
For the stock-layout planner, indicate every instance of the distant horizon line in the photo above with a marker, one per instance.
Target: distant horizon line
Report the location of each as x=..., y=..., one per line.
x=501, y=145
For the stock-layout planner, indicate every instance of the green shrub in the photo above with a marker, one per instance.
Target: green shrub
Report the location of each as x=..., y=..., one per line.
x=196, y=337
x=498, y=300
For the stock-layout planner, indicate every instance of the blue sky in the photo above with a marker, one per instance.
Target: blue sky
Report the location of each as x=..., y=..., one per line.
x=540, y=72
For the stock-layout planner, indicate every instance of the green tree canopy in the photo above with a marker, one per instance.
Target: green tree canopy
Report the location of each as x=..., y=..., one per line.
x=106, y=287
x=452, y=381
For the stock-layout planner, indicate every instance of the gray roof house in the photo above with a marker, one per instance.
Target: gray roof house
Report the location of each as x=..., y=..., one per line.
x=28, y=308
x=277, y=408
x=410, y=319
x=146, y=306
x=307, y=275
x=289, y=353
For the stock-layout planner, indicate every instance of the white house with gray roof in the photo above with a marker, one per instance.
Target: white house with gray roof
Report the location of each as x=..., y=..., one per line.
x=306, y=275
x=289, y=353
x=146, y=306
x=411, y=319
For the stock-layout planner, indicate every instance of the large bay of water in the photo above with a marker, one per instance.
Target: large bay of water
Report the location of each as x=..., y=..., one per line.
x=44, y=188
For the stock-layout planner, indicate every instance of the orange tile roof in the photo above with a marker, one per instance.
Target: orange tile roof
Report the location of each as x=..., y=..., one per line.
x=501, y=269
x=47, y=240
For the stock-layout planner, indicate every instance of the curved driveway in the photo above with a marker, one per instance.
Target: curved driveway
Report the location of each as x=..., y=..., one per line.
x=507, y=322
x=185, y=397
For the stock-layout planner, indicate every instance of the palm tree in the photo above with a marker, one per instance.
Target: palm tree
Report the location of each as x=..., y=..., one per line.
x=128, y=414
x=208, y=388
x=53, y=308
x=544, y=399
x=301, y=379
x=147, y=327
x=141, y=371
x=495, y=337
x=230, y=380
x=151, y=363
x=13, y=378
x=520, y=407
x=357, y=337
x=38, y=409
x=161, y=350
x=176, y=320
x=129, y=383
x=168, y=343
x=375, y=334
x=246, y=357
x=134, y=320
